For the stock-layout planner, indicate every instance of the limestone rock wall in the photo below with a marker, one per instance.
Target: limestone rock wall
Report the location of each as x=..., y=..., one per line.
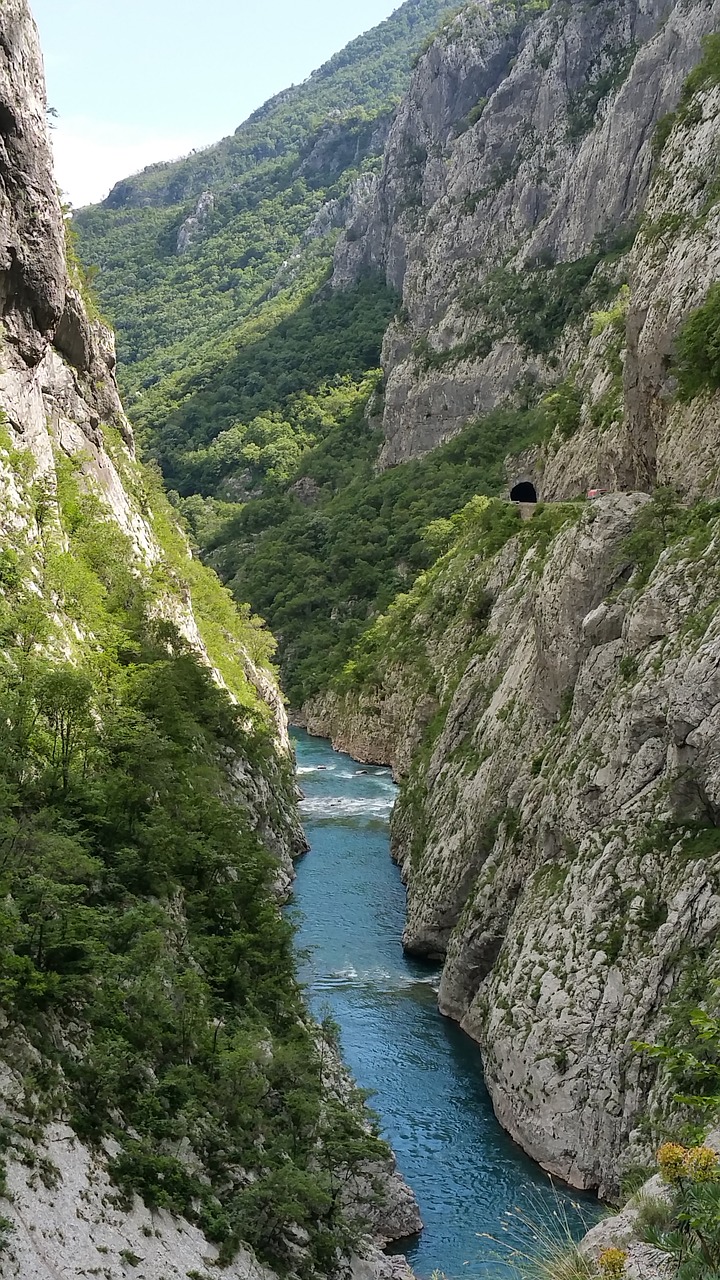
x=593, y=896
x=58, y=392
x=66, y=1222
x=526, y=143
x=380, y=727
x=33, y=272
x=557, y=827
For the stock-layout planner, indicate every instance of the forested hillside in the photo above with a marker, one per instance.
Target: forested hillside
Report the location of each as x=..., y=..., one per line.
x=182, y=314
x=320, y=572
x=256, y=381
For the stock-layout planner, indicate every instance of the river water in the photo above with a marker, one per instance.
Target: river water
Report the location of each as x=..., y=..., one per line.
x=479, y=1195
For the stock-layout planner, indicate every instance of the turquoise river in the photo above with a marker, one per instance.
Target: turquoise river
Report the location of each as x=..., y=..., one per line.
x=479, y=1195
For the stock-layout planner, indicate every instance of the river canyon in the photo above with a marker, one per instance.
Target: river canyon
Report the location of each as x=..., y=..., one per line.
x=474, y=257
x=478, y=1192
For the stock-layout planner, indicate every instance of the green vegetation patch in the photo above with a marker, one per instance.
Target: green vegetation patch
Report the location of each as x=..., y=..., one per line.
x=697, y=361
x=664, y=522
x=294, y=372
x=137, y=903
x=535, y=305
x=320, y=574
x=442, y=597
x=704, y=76
x=684, y=1225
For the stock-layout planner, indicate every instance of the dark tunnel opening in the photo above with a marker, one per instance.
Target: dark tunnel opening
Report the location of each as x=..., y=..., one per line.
x=523, y=492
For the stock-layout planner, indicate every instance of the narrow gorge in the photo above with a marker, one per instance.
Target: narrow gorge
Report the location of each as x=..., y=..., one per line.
x=410, y=438
x=467, y=1173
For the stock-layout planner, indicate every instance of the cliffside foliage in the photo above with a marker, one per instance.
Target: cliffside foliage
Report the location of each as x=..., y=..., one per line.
x=536, y=304
x=320, y=573
x=698, y=349
x=449, y=596
x=691, y=1057
x=704, y=75
x=146, y=972
x=663, y=522
x=682, y=1226
x=277, y=388
x=685, y=1228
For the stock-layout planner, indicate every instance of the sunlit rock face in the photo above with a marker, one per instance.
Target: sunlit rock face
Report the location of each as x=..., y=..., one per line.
x=553, y=720
x=525, y=144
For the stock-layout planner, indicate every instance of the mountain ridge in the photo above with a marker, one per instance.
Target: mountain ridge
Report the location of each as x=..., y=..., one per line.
x=347, y=94
x=187, y=283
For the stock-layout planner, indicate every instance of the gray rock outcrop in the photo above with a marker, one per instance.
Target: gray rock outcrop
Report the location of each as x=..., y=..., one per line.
x=557, y=826
x=32, y=268
x=196, y=224
x=526, y=143
x=68, y=1224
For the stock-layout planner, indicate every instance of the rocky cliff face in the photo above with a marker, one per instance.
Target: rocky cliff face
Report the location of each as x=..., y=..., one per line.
x=62, y=423
x=523, y=185
x=557, y=826
x=548, y=693
x=574, y=919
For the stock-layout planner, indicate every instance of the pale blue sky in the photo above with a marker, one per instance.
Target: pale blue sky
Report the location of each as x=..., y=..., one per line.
x=142, y=80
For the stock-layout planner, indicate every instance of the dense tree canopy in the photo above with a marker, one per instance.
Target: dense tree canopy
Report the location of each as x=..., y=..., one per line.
x=143, y=954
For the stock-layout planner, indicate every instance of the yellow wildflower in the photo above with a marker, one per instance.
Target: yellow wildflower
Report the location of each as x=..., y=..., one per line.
x=671, y=1159
x=612, y=1263
x=702, y=1164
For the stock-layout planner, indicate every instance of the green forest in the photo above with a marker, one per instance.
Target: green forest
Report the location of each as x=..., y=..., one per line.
x=244, y=374
x=137, y=896
x=179, y=317
x=320, y=574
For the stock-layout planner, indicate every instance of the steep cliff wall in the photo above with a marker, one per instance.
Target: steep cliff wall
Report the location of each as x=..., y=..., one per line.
x=547, y=693
x=154, y=1046
x=557, y=826
x=525, y=183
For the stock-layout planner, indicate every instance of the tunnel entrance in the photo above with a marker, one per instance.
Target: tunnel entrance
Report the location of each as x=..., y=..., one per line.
x=523, y=492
